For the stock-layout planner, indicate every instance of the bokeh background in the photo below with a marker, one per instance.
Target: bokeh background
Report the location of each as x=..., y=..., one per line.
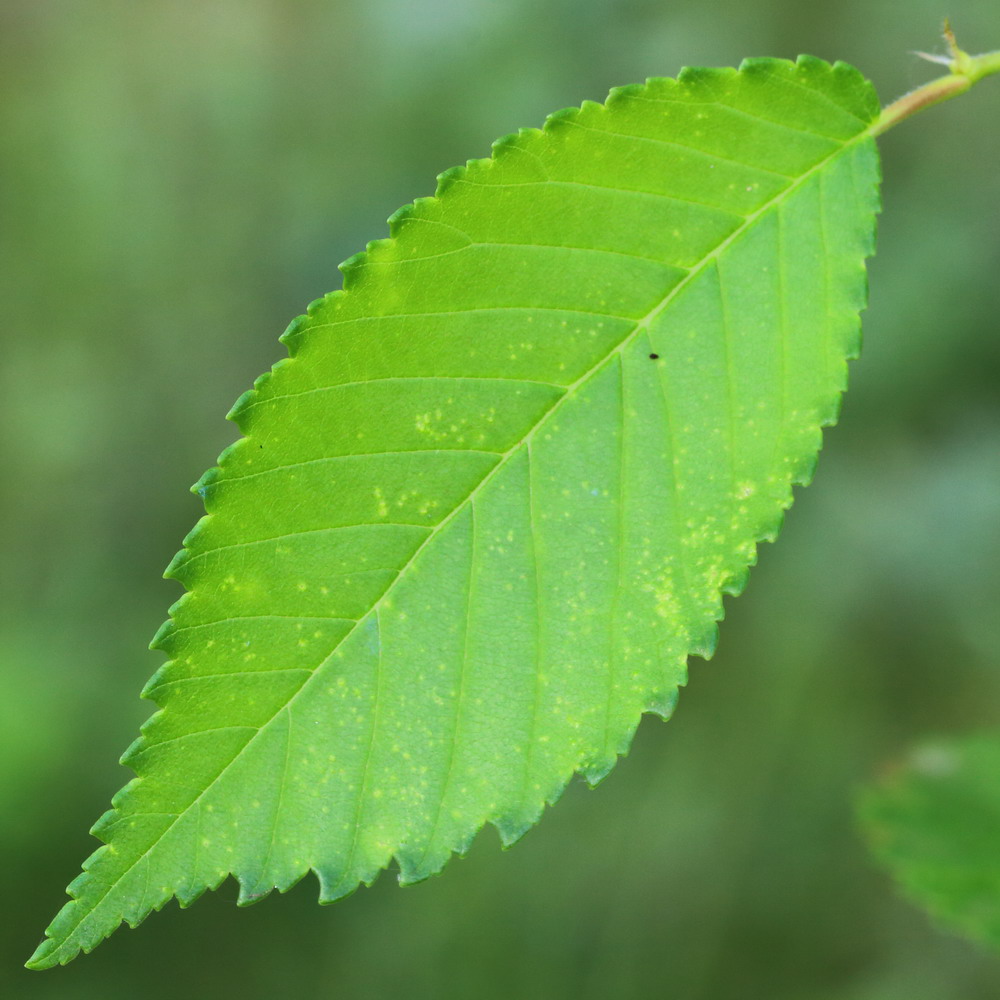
x=178, y=178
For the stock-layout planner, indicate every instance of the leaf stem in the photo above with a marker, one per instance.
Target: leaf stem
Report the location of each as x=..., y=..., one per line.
x=965, y=71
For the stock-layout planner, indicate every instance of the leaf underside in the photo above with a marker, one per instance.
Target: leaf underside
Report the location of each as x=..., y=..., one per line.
x=935, y=825
x=489, y=505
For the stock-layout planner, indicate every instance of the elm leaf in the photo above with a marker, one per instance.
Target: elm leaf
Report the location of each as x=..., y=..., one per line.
x=489, y=505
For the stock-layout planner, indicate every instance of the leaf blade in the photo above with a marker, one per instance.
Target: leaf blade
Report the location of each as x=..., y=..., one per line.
x=607, y=297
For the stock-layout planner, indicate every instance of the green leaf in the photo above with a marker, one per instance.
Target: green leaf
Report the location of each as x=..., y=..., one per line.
x=934, y=822
x=489, y=506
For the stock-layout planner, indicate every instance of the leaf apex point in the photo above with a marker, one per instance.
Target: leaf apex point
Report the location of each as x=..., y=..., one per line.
x=40, y=957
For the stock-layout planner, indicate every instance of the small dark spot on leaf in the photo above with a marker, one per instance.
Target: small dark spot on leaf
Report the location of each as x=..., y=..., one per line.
x=653, y=357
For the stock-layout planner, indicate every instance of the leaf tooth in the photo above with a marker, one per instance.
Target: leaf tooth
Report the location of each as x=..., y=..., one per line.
x=293, y=878
x=208, y=478
x=179, y=605
x=243, y=407
x=406, y=213
x=228, y=457
x=663, y=703
x=704, y=643
x=186, y=553
x=261, y=380
x=559, y=118
x=352, y=269
x=344, y=880
x=514, y=822
x=176, y=566
x=133, y=753
x=807, y=62
x=421, y=865
x=477, y=163
x=736, y=584
x=162, y=637
x=149, y=690
x=317, y=304
x=706, y=77
x=299, y=325
x=294, y=328
x=595, y=770
x=771, y=529
x=190, y=893
x=105, y=821
x=804, y=471
x=252, y=395
x=661, y=84
x=447, y=178
x=243, y=403
x=513, y=826
x=500, y=144
x=375, y=249
x=618, y=94
x=78, y=885
x=841, y=68
x=767, y=65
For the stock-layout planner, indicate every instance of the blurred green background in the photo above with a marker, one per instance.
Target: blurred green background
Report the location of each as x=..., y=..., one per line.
x=177, y=180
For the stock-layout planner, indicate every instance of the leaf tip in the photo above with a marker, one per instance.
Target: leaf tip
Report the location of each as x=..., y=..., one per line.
x=41, y=957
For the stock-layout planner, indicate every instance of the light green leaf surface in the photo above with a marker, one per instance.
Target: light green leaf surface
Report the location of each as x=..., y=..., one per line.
x=934, y=823
x=489, y=506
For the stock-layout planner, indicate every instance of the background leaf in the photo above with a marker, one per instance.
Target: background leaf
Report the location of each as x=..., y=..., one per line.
x=934, y=823
x=488, y=507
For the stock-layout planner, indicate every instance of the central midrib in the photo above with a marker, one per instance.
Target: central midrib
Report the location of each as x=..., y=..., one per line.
x=641, y=325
